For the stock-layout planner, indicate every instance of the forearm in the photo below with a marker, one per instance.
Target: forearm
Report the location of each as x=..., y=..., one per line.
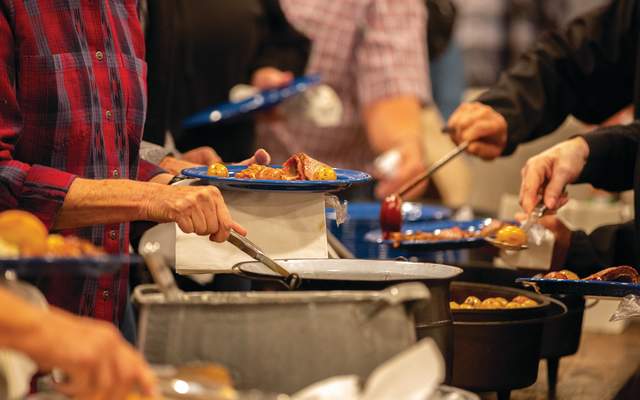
x=612, y=157
x=93, y=202
x=584, y=71
x=393, y=122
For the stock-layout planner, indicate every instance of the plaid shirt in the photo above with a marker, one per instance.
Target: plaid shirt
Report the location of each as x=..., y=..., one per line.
x=366, y=50
x=72, y=103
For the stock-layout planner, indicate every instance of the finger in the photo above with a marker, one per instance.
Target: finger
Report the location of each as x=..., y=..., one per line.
x=185, y=224
x=125, y=372
x=489, y=131
x=486, y=151
x=262, y=157
x=224, y=221
x=199, y=221
x=145, y=379
x=454, y=119
x=555, y=188
x=210, y=216
x=532, y=180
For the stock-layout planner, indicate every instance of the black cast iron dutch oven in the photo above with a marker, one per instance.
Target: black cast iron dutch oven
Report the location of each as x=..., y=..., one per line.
x=498, y=350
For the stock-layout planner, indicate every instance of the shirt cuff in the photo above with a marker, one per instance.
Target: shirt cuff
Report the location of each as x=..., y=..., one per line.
x=147, y=170
x=43, y=192
x=599, y=147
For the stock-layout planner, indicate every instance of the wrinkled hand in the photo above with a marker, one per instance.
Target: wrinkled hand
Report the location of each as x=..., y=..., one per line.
x=97, y=361
x=196, y=209
x=482, y=125
x=562, y=236
x=550, y=171
x=204, y=155
x=411, y=164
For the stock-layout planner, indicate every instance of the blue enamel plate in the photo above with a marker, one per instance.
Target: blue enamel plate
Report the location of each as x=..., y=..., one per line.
x=433, y=226
x=93, y=266
x=582, y=288
x=346, y=178
x=260, y=101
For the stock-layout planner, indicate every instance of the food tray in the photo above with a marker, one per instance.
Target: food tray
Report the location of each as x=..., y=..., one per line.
x=260, y=101
x=581, y=287
x=346, y=178
x=94, y=266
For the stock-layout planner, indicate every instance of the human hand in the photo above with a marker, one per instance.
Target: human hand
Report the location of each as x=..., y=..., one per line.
x=260, y=157
x=196, y=209
x=411, y=164
x=97, y=362
x=270, y=78
x=481, y=125
x=204, y=155
x=550, y=171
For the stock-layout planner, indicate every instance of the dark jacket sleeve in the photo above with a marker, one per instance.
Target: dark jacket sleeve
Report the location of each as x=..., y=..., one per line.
x=587, y=71
x=606, y=246
x=611, y=164
x=282, y=46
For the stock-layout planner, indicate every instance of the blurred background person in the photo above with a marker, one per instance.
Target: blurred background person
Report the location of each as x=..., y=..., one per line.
x=196, y=52
x=372, y=53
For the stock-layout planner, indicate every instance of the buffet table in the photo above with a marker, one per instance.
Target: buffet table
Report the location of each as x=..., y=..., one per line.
x=606, y=367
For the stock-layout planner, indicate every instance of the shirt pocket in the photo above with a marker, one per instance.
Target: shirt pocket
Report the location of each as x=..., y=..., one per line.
x=133, y=75
x=55, y=99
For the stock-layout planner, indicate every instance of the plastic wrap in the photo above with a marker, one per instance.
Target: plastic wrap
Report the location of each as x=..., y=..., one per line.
x=629, y=307
x=332, y=201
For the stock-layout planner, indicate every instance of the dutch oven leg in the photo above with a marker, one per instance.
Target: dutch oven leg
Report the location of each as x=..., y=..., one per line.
x=552, y=375
x=504, y=395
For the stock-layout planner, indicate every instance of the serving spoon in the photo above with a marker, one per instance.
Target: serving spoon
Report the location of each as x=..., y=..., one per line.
x=533, y=217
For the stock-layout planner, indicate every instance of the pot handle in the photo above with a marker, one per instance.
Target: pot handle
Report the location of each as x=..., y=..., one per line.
x=412, y=294
x=405, y=293
x=291, y=282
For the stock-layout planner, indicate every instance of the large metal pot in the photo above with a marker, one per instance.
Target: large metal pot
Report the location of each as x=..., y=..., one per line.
x=498, y=350
x=432, y=321
x=280, y=342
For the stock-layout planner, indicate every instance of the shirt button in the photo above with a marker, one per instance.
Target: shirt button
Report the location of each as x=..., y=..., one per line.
x=115, y=173
x=113, y=234
x=108, y=114
x=106, y=294
x=99, y=55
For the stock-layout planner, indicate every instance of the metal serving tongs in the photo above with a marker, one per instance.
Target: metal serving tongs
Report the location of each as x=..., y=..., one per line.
x=292, y=281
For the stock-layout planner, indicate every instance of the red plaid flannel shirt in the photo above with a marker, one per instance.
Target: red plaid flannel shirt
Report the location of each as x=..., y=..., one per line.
x=72, y=103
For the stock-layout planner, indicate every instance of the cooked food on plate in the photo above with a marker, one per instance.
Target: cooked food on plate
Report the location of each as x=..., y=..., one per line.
x=454, y=233
x=218, y=169
x=22, y=234
x=564, y=274
x=493, y=303
x=623, y=273
x=299, y=167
